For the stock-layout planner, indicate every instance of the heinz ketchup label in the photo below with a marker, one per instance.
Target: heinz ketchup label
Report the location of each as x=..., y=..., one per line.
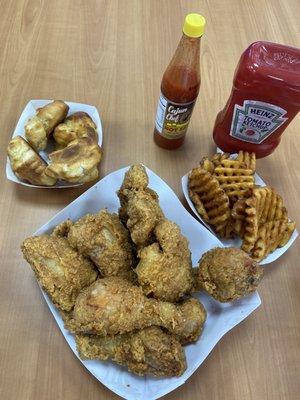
x=255, y=121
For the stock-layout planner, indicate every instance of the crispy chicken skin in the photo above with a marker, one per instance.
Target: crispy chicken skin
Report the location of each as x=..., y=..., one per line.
x=39, y=128
x=61, y=271
x=144, y=213
x=140, y=209
x=165, y=267
x=149, y=351
x=76, y=126
x=27, y=164
x=135, y=179
x=77, y=162
x=103, y=238
x=228, y=274
x=112, y=306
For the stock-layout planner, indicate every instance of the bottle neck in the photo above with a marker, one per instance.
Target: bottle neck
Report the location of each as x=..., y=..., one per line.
x=181, y=80
x=187, y=53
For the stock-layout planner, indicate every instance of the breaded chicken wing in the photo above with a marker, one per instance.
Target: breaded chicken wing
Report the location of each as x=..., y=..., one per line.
x=76, y=126
x=143, y=213
x=112, y=306
x=165, y=267
x=149, y=351
x=228, y=274
x=61, y=271
x=140, y=209
x=39, y=128
x=103, y=238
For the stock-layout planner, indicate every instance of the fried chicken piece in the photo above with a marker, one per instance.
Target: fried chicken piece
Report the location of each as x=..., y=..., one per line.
x=76, y=126
x=39, y=128
x=76, y=163
x=140, y=209
x=103, y=238
x=27, y=164
x=228, y=274
x=112, y=306
x=144, y=213
x=61, y=271
x=135, y=179
x=165, y=267
x=62, y=229
x=149, y=351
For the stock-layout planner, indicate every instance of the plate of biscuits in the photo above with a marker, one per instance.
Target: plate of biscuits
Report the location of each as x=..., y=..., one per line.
x=56, y=144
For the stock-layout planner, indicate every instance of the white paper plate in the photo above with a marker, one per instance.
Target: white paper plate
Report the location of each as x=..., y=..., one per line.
x=236, y=242
x=221, y=317
x=30, y=111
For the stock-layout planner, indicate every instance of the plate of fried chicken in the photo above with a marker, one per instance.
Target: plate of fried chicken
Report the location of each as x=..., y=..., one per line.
x=116, y=269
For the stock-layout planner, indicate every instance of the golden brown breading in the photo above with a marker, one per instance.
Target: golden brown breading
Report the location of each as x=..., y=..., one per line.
x=113, y=306
x=61, y=271
x=76, y=163
x=39, y=128
x=62, y=229
x=165, y=267
x=143, y=213
x=27, y=164
x=103, y=238
x=76, y=126
x=228, y=273
x=135, y=180
x=149, y=351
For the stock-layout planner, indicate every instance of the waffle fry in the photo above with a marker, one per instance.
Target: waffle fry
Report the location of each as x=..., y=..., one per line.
x=207, y=164
x=217, y=158
x=270, y=235
x=290, y=227
x=256, y=214
x=205, y=187
x=248, y=159
x=238, y=217
x=234, y=178
x=199, y=205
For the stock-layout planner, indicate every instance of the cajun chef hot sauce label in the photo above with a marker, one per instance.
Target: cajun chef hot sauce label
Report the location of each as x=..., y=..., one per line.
x=172, y=119
x=255, y=121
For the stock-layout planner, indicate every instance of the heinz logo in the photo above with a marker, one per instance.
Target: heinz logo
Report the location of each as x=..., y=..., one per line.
x=255, y=121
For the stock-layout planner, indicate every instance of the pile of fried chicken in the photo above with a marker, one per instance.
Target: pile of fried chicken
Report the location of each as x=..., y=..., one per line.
x=123, y=283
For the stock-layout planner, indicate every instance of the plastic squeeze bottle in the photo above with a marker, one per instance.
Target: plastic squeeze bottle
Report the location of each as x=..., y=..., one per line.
x=180, y=86
x=265, y=97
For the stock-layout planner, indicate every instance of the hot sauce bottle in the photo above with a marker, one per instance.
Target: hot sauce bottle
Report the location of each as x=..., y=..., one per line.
x=265, y=97
x=180, y=86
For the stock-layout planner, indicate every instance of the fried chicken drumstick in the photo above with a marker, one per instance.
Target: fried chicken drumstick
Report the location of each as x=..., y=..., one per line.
x=112, y=306
x=148, y=351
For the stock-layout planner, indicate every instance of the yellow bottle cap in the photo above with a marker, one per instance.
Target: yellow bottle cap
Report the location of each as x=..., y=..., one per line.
x=194, y=25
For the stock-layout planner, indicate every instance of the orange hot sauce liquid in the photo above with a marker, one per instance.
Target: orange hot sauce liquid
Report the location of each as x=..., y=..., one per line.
x=181, y=82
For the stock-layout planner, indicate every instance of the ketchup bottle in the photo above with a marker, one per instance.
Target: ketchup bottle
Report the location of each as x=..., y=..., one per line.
x=264, y=99
x=180, y=86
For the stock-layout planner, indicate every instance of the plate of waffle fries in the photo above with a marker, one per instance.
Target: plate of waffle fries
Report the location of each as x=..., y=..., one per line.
x=56, y=144
x=234, y=203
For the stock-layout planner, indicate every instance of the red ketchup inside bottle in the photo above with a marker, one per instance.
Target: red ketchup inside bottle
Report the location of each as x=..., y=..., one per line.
x=265, y=97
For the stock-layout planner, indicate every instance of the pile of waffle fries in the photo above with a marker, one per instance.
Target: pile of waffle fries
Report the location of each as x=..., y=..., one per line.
x=225, y=195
